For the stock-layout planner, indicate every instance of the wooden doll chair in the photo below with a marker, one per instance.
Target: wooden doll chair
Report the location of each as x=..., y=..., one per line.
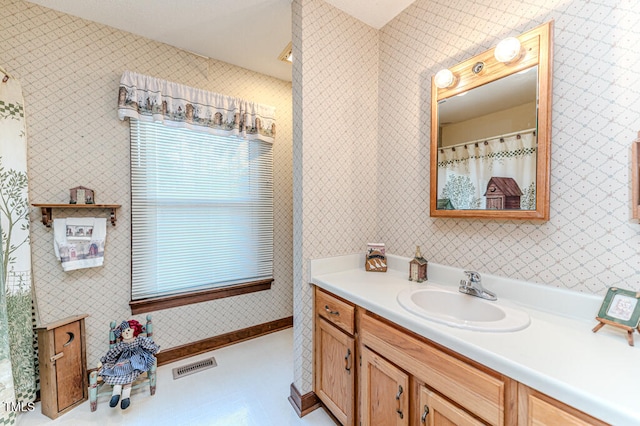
x=96, y=386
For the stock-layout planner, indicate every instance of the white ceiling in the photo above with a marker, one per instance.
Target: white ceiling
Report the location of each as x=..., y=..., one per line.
x=247, y=33
x=376, y=13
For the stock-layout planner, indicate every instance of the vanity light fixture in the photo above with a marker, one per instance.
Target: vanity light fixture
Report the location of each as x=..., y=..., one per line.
x=444, y=78
x=508, y=50
x=477, y=67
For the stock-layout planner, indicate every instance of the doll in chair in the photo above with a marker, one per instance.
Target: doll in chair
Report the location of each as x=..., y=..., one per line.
x=125, y=361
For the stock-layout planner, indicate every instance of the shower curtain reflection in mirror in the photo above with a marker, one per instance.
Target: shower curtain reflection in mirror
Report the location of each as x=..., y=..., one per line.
x=497, y=173
x=17, y=366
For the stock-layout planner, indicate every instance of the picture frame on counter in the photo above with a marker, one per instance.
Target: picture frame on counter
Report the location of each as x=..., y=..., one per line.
x=620, y=308
x=376, y=258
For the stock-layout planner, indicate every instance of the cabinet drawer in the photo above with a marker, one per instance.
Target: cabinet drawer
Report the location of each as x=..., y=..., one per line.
x=436, y=410
x=480, y=393
x=335, y=310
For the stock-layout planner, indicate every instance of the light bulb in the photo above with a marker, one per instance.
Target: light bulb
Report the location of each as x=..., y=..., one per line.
x=444, y=78
x=507, y=50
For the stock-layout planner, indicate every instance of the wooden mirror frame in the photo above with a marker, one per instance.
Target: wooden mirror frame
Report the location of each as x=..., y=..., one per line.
x=537, y=50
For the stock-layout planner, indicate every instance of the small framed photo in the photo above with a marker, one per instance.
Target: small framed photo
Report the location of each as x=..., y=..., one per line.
x=81, y=195
x=621, y=307
x=79, y=232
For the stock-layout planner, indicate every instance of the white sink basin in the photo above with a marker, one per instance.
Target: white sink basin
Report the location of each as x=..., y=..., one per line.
x=461, y=310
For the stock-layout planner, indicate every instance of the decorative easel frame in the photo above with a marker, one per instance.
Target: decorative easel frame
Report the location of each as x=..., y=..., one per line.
x=620, y=308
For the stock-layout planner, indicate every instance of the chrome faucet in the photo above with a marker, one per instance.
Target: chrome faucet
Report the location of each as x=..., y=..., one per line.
x=473, y=286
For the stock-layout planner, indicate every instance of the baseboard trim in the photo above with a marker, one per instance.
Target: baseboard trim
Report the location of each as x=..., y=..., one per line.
x=303, y=404
x=177, y=353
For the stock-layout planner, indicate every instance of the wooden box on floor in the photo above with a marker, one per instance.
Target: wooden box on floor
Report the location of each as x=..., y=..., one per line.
x=63, y=365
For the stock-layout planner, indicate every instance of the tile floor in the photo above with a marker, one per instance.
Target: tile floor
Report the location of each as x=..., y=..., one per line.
x=249, y=386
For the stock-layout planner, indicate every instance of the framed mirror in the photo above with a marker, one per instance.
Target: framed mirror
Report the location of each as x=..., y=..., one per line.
x=491, y=132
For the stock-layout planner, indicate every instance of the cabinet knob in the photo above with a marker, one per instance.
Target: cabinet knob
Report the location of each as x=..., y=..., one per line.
x=398, y=410
x=423, y=419
x=329, y=311
x=347, y=361
x=399, y=392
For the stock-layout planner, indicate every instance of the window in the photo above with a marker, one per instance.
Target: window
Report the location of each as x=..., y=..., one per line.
x=202, y=212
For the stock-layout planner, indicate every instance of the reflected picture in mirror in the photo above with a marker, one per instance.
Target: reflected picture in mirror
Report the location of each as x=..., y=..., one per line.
x=491, y=133
x=487, y=147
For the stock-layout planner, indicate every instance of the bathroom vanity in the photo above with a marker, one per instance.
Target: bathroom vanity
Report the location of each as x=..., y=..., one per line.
x=376, y=360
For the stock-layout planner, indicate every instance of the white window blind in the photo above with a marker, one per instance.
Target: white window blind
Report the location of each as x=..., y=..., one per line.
x=202, y=210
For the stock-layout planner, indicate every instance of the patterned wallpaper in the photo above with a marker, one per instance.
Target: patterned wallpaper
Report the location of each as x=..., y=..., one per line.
x=364, y=95
x=335, y=153
x=589, y=243
x=70, y=69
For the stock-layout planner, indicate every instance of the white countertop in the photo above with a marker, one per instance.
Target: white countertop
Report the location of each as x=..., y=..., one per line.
x=557, y=354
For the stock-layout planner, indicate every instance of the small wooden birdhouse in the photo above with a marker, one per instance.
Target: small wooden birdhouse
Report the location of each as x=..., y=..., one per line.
x=81, y=195
x=503, y=193
x=418, y=267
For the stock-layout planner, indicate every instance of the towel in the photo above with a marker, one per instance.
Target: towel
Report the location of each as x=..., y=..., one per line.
x=79, y=242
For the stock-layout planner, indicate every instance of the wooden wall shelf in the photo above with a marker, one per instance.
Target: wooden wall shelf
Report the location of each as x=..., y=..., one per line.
x=47, y=219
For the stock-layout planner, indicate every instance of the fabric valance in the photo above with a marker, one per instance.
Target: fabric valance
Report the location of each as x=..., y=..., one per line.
x=147, y=98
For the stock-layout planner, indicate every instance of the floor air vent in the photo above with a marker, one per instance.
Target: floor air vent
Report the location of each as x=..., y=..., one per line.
x=194, y=367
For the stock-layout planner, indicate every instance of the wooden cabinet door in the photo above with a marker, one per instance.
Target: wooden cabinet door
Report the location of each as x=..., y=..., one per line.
x=384, y=392
x=538, y=409
x=470, y=386
x=435, y=410
x=335, y=371
x=70, y=379
x=63, y=365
